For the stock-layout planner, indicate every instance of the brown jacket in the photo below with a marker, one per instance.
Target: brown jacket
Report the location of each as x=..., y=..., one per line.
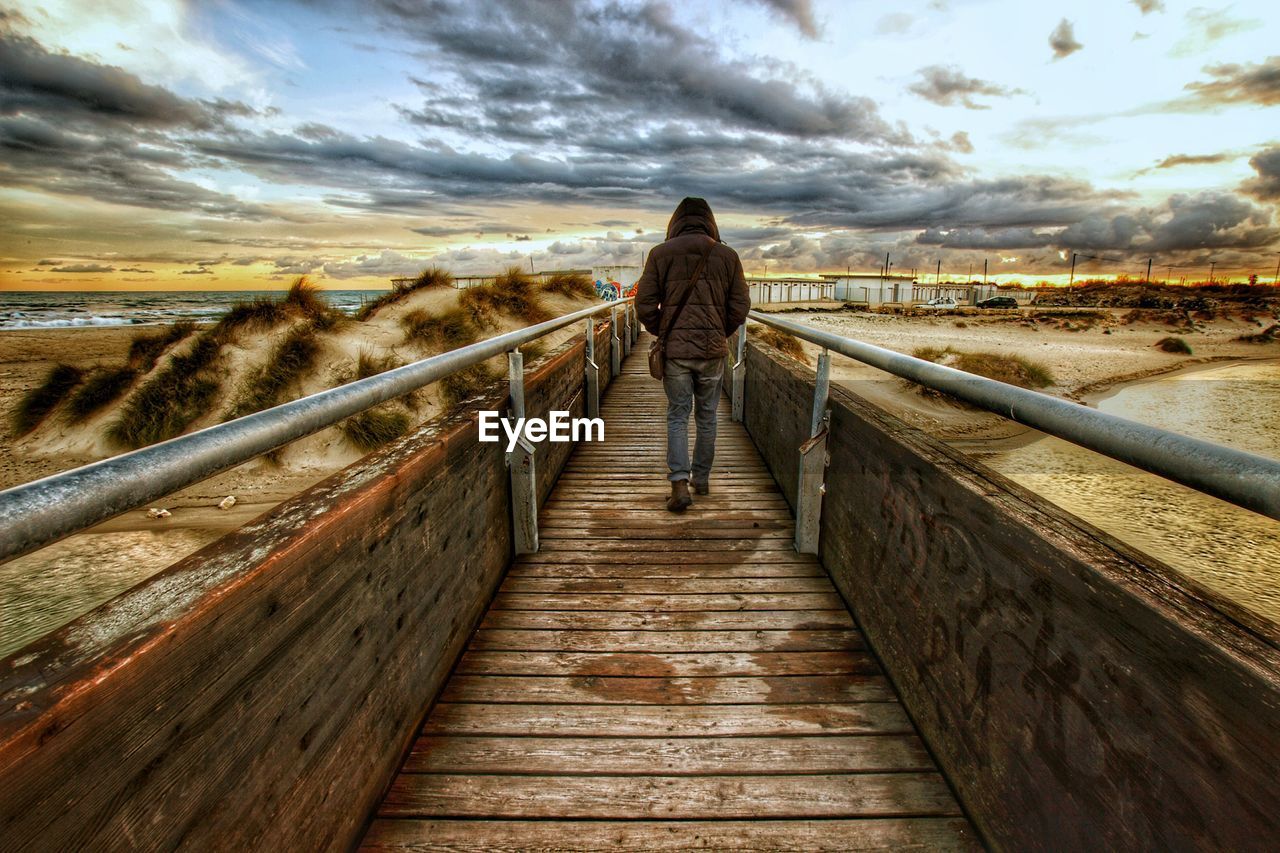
x=719, y=303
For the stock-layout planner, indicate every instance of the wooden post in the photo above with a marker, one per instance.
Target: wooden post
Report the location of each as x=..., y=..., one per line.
x=615, y=344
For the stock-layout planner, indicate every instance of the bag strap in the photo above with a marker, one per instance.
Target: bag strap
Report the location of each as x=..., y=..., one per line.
x=693, y=283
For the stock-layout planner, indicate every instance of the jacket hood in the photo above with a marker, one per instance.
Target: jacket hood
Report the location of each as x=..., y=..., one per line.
x=693, y=215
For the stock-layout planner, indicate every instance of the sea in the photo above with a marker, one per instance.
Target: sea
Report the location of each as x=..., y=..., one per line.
x=54, y=310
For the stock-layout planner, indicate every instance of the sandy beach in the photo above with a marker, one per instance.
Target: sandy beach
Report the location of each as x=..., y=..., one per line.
x=1087, y=351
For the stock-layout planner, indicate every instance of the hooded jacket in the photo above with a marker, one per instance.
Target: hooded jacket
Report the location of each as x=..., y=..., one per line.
x=720, y=300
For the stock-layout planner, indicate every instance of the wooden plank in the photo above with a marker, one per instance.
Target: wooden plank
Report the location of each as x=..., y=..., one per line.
x=670, y=756
x=679, y=797
x=667, y=547
x=666, y=663
x=655, y=586
x=666, y=641
x=671, y=603
x=668, y=570
x=509, y=836
x=697, y=620
x=569, y=534
x=637, y=690
x=692, y=558
x=667, y=720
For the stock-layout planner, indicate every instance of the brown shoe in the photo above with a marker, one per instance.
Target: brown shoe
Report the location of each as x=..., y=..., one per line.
x=680, y=499
x=702, y=488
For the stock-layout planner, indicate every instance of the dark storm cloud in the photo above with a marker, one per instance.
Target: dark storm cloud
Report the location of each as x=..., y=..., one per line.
x=1063, y=40
x=546, y=70
x=947, y=85
x=798, y=12
x=74, y=88
x=39, y=155
x=73, y=127
x=1266, y=186
x=984, y=238
x=1249, y=83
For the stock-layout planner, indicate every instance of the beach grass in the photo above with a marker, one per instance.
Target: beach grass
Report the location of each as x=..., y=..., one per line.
x=466, y=384
x=429, y=277
x=375, y=427
x=570, y=284
x=784, y=343
x=513, y=293
x=146, y=348
x=288, y=362
x=1174, y=345
x=36, y=404
x=101, y=387
x=447, y=330
x=1012, y=369
x=170, y=400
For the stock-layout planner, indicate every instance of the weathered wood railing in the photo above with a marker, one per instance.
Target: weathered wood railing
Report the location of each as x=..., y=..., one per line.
x=1077, y=693
x=262, y=692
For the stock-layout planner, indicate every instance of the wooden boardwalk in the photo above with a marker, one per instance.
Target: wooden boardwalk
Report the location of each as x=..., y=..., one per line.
x=660, y=681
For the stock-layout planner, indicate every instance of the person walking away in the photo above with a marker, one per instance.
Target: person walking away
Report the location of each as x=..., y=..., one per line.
x=702, y=314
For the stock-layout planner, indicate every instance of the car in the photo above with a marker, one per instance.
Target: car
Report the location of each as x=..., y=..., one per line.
x=999, y=302
x=941, y=302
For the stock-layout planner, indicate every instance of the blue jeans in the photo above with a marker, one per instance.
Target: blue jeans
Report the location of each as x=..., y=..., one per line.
x=689, y=382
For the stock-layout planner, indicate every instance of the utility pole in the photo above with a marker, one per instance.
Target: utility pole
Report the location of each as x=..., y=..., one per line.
x=937, y=277
x=1073, y=270
x=531, y=269
x=1169, y=277
x=887, y=265
x=1212, y=264
x=984, y=272
x=1148, y=270
x=1275, y=279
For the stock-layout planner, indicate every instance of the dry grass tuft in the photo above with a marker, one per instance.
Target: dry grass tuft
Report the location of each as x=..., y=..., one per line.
x=513, y=293
x=303, y=296
x=445, y=331
x=1013, y=369
x=429, y=277
x=103, y=386
x=146, y=347
x=1177, y=346
x=784, y=343
x=37, y=403
x=176, y=395
x=1266, y=336
x=375, y=427
x=570, y=284
x=457, y=388
x=286, y=364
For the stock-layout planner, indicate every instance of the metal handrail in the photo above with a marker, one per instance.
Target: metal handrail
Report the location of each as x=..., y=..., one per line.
x=46, y=510
x=1237, y=476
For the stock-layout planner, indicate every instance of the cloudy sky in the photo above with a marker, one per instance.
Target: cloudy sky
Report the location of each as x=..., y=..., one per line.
x=219, y=144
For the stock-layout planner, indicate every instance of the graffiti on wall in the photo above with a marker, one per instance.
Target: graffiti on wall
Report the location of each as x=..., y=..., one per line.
x=611, y=291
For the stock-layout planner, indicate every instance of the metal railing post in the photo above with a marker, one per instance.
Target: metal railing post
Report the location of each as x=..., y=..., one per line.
x=592, y=371
x=615, y=344
x=739, y=374
x=635, y=323
x=524, y=482
x=626, y=330
x=813, y=463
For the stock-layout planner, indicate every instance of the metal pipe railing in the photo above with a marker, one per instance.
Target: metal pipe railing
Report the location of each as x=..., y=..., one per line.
x=43, y=511
x=1239, y=477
